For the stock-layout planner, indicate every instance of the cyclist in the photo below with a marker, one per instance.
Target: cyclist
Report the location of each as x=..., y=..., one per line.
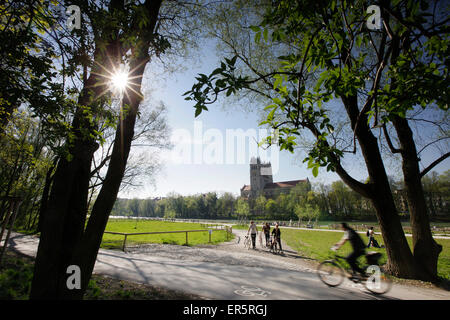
x=357, y=244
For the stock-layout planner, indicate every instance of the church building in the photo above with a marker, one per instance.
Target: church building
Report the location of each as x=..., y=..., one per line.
x=261, y=182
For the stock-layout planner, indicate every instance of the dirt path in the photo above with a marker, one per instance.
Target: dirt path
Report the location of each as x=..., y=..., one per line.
x=232, y=253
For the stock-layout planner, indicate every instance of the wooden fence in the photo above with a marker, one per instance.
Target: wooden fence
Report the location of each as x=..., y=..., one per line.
x=216, y=227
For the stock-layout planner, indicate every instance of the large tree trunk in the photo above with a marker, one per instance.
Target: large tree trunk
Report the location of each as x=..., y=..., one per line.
x=65, y=242
x=65, y=216
x=86, y=252
x=426, y=250
x=45, y=195
x=400, y=259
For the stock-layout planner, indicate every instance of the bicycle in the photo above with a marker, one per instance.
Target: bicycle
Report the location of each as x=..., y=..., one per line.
x=247, y=242
x=332, y=272
x=274, y=247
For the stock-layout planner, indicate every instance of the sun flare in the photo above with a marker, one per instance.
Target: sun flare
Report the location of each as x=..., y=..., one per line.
x=119, y=80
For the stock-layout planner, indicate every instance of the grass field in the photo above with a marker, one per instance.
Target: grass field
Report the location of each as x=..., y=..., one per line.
x=111, y=241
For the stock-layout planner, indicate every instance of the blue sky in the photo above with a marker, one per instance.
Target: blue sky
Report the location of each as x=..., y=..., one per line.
x=184, y=178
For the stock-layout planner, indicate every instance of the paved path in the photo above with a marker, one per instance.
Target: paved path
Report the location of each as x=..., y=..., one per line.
x=228, y=272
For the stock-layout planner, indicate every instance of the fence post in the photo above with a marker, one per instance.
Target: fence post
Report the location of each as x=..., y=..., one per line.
x=186, y=237
x=124, y=242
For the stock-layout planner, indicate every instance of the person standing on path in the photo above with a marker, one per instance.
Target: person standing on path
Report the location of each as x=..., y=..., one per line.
x=370, y=235
x=253, y=230
x=266, y=230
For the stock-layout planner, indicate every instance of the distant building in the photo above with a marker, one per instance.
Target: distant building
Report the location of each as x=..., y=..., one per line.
x=261, y=181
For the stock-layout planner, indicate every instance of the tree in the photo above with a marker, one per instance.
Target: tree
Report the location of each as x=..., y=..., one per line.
x=225, y=205
x=242, y=208
x=271, y=207
x=411, y=68
x=210, y=200
x=307, y=212
x=133, y=207
x=436, y=188
x=340, y=196
x=191, y=207
x=27, y=62
x=24, y=163
x=113, y=32
x=328, y=62
x=260, y=204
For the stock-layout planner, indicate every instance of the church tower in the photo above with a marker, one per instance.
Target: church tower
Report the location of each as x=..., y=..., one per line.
x=260, y=175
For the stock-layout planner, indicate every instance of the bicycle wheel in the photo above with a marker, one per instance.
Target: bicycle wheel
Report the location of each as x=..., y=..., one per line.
x=247, y=242
x=330, y=273
x=377, y=282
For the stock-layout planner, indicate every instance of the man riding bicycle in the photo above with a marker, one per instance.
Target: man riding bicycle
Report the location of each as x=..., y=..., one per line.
x=357, y=244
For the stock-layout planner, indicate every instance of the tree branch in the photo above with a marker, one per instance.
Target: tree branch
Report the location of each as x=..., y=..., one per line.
x=434, y=163
x=389, y=141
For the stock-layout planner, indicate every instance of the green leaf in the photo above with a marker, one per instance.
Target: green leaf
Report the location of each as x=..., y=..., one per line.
x=315, y=171
x=358, y=41
x=271, y=114
x=278, y=81
x=257, y=37
x=270, y=106
x=229, y=92
x=233, y=60
x=216, y=71
x=277, y=101
x=198, y=111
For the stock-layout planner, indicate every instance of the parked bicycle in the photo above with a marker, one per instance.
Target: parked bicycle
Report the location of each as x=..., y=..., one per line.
x=333, y=272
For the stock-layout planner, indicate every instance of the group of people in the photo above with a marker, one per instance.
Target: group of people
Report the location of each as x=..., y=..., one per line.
x=350, y=235
x=276, y=235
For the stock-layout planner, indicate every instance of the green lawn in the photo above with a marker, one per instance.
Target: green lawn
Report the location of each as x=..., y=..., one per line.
x=317, y=244
x=111, y=241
